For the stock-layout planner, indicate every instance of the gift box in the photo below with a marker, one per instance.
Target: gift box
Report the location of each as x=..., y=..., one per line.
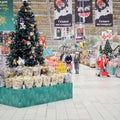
x=60, y=78
x=46, y=80
x=54, y=79
x=28, y=81
x=8, y=82
x=17, y=82
x=38, y=81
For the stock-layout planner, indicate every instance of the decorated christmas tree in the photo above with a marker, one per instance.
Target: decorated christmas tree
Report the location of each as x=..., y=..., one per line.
x=107, y=49
x=25, y=46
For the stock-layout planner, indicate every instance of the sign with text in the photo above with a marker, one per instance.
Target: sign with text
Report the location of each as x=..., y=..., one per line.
x=62, y=13
x=103, y=13
x=6, y=15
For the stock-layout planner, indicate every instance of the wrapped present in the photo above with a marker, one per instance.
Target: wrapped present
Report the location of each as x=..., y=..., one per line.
x=60, y=78
x=18, y=71
x=27, y=71
x=17, y=82
x=54, y=79
x=29, y=81
x=38, y=81
x=46, y=80
x=68, y=78
x=8, y=82
x=36, y=71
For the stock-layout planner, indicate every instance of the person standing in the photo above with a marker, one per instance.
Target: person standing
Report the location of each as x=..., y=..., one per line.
x=68, y=61
x=76, y=62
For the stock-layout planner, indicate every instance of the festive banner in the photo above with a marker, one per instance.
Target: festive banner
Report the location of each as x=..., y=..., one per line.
x=63, y=13
x=103, y=13
x=6, y=15
x=83, y=11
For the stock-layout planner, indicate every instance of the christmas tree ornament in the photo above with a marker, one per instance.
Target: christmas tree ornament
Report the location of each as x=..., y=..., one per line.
x=28, y=43
x=24, y=41
x=22, y=25
x=22, y=20
x=31, y=33
x=32, y=25
x=20, y=61
x=14, y=62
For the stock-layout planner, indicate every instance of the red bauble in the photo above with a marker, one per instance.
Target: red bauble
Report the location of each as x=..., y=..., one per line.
x=24, y=41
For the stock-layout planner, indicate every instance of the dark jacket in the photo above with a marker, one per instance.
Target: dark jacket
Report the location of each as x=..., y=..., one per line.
x=68, y=59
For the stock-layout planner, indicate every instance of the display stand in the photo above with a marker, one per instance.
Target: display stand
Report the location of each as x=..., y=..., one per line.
x=35, y=96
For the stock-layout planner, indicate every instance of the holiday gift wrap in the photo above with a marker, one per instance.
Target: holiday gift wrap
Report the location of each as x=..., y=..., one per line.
x=54, y=79
x=28, y=81
x=17, y=82
x=38, y=81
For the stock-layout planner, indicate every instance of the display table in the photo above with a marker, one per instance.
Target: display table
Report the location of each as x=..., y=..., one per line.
x=35, y=96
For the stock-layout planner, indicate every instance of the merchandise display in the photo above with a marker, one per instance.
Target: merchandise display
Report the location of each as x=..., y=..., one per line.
x=28, y=77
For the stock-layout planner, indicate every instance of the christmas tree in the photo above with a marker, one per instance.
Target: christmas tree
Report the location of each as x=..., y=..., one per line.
x=25, y=40
x=107, y=49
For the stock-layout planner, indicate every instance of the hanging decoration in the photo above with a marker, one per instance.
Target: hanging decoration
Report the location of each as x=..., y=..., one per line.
x=103, y=13
x=63, y=13
x=83, y=11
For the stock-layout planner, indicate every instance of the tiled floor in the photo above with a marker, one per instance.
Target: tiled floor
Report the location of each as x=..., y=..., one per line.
x=94, y=98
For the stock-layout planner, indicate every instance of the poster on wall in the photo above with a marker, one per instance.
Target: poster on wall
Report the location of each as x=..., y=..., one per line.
x=6, y=15
x=63, y=33
x=58, y=33
x=103, y=13
x=80, y=33
x=62, y=13
x=83, y=11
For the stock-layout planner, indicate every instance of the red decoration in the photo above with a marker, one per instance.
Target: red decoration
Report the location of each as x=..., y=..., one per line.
x=42, y=41
x=24, y=41
x=59, y=2
x=99, y=2
x=104, y=73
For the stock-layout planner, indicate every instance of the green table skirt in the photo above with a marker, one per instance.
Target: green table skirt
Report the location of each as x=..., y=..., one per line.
x=35, y=96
